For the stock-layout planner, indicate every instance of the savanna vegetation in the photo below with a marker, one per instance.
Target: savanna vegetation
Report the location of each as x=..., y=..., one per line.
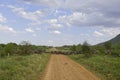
x=104, y=60
x=25, y=61
x=22, y=62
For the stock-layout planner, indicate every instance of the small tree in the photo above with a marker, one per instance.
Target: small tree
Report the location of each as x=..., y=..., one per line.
x=86, y=49
x=25, y=48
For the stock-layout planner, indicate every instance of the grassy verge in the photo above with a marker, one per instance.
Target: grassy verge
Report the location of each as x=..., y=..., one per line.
x=22, y=67
x=107, y=66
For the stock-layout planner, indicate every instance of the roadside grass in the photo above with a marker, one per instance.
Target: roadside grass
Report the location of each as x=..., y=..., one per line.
x=107, y=66
x=22, y=67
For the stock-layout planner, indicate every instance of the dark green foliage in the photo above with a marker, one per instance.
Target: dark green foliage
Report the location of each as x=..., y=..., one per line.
x=42, y=48
x=38, y=49
x=116, y=50
x=86, y=50
x=2, y=53
x=10, y=48
x=117, y=46
x=108, y=47
x=73, y=48
x=78, y=48
x=2, y=45
x=100, y=49
x=25, y=48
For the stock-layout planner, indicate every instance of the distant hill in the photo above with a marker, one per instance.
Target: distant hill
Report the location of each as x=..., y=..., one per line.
x=114, y=40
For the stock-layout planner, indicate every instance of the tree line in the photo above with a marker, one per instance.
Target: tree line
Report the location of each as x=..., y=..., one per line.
x=88, y=50
x=24, y=48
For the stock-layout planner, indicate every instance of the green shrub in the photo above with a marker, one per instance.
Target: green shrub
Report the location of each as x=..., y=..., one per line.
x=10, y=48
x=116, y=52
x=3, y=53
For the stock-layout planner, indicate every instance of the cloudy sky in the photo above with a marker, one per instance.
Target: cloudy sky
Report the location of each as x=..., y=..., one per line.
x=59, y=22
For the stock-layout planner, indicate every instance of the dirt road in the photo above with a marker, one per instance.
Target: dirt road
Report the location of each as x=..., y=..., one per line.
x=60, y=67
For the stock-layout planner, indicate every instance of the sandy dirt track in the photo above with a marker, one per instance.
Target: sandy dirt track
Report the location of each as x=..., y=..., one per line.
x=60, y=67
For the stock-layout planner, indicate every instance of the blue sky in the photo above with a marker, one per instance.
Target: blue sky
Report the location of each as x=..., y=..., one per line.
x=59, y=22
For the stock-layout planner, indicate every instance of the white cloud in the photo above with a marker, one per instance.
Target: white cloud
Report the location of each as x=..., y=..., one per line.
x=29, y=30
x=58, y=12
x=73, y=19
x=54, y=26
x=110, y=31
x=97, y=33
x=85, y=12
x=5, y=28
x=33, y=30
x=56, y=32
x=52, y=21
x=48, y=3
x=33, y=16
x=2, y=18
x=93, y=19
x=79, y=5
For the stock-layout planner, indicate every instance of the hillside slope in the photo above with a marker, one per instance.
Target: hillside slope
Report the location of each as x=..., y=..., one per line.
x=114, y=40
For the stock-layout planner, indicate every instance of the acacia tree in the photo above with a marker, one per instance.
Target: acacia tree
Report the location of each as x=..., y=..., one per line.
x=25, y=48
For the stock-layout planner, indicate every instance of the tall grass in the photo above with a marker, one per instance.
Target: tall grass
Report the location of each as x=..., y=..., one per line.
x=107, y=66
x=22, y=67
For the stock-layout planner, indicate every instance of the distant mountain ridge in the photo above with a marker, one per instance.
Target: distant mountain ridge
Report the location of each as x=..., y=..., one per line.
x=114, y=40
